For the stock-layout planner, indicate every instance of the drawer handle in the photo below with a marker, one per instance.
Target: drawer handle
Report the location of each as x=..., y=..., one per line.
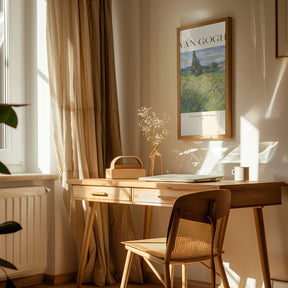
x=167, y=199
x=105, y=194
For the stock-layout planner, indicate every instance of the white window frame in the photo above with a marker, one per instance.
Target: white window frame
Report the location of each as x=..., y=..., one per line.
x=13, y=154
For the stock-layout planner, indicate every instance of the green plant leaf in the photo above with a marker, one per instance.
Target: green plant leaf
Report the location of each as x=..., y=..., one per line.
x=4, y=169
x=8, y=116
x=9, y=227
x=9, y=283
x=7, y=264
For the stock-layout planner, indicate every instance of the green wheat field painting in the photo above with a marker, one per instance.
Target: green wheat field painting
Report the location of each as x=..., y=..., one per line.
x=202, y=80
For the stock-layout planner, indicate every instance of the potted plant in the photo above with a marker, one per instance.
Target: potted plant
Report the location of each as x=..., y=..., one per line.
x=8, y=117
x=7, y=228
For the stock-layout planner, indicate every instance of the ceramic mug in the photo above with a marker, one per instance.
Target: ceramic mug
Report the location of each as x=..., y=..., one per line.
x=240, y=173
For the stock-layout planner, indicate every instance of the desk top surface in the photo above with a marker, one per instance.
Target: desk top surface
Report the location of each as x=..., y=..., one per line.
x=135, y=183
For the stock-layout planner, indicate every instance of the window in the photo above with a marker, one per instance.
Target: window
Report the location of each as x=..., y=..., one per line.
x=2, y=66
x=12, y=80
x=24, y=70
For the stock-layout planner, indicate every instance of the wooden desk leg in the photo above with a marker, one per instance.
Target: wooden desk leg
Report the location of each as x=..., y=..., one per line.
x=146, y=235
x=147, y=222
x=85, y=244
x=259, y=223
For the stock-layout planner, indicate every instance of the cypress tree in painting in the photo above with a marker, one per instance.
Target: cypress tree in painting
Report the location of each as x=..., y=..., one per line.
x=196, y=68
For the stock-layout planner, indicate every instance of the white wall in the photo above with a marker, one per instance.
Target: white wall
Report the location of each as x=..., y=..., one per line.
x=146, y=57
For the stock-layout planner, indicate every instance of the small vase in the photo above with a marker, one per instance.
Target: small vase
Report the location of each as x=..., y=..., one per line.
x=155, y=163
x=155, y=168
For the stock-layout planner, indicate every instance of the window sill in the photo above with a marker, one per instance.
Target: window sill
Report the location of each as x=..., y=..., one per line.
x=26, y=177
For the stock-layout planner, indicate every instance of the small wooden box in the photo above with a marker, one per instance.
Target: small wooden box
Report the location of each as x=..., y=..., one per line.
x=125, y=171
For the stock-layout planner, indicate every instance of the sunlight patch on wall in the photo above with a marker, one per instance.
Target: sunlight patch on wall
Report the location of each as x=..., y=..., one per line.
x=208, y=158
x=250, y=283
x=265, y=154
x=249, y=155
x=189, y=151
x=212, y=158
x=233, y=277
x=250, y=152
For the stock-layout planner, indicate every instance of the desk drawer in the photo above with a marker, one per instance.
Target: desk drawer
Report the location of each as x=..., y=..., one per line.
x=157, y=197
x=102, y=194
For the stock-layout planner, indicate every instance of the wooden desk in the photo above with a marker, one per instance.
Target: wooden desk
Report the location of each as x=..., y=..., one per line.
x=243, y=194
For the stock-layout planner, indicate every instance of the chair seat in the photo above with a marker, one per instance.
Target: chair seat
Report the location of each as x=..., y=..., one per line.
x=156, y=247
x=153, y=246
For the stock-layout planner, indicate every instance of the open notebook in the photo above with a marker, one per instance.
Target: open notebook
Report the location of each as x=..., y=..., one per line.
x=183, y=178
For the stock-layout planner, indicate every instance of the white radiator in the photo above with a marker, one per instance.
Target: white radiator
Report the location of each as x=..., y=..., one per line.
x=26, y=249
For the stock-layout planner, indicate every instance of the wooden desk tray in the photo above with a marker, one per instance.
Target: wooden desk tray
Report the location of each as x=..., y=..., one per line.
x=125, y=171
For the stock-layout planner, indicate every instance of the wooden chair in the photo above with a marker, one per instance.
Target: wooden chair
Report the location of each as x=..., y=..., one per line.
x=195, y=234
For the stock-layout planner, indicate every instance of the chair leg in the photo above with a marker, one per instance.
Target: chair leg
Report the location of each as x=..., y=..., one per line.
x=166, y=276
x=184, y=276
x=212, y=278
x=222, y=272
x=126, y=270
x=171, y=274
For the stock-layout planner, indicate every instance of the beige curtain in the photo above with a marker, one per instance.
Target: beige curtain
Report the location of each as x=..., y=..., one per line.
x=86, y=124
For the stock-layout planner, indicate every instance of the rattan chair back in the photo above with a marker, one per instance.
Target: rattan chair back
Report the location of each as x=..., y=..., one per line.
x=196, y=224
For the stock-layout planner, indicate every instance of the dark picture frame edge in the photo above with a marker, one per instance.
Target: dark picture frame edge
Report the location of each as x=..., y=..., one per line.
x=279, y=29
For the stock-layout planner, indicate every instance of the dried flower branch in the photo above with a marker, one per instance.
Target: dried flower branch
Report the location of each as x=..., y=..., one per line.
x=153, y=125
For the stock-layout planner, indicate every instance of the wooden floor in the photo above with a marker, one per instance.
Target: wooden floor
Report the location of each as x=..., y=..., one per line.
x=73, y=285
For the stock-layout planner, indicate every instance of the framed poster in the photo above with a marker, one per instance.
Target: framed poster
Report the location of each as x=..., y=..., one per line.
x=204, y=80
x=281, y=28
